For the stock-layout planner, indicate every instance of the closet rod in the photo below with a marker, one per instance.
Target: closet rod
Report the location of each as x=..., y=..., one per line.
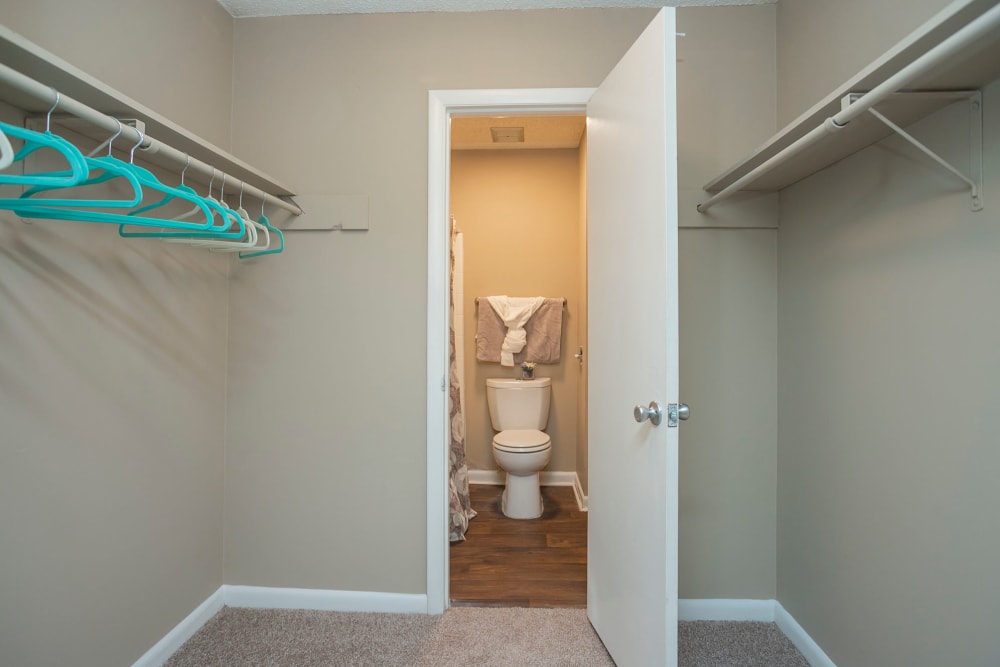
x=66, y=104
x=975, y=29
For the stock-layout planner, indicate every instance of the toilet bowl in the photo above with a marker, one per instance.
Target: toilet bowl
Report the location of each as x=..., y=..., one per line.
x=522, y=453
x=519, y=410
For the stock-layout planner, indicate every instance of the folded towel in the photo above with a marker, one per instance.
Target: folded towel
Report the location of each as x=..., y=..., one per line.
x=514, y=311
x=543, y=332
x=490, y=332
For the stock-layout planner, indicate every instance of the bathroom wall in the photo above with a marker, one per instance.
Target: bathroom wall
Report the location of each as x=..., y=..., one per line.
x=519, y=212
x=112, y=377
x=888, y=530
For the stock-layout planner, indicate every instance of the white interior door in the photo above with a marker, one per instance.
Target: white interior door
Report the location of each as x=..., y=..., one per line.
x=632, y=278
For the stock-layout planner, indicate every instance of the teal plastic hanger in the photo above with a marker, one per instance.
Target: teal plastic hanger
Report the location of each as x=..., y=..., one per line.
x=146, y=179
x=274, y=230
x=223, y=229
x=108, y=168
x=34, y=141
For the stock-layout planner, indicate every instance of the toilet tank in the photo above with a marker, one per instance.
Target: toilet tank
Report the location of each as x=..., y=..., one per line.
x=518, y=404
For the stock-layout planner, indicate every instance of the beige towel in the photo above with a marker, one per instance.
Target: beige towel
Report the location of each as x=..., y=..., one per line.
x=543, y=331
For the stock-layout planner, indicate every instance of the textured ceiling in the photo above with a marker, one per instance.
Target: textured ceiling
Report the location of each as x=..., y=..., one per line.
x=248, y=8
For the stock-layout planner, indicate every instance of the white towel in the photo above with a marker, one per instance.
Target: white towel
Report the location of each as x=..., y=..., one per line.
x=514, y=311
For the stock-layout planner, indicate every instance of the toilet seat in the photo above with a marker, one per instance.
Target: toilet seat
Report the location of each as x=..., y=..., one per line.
x=522, y=441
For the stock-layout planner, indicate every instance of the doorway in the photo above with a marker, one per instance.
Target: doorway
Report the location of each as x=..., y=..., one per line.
x=518, y=206
x=444, y=105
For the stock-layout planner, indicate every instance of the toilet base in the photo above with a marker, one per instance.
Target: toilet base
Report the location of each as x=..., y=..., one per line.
x=522, y=497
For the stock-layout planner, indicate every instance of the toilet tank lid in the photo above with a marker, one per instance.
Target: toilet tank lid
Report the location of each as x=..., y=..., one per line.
x=514, y=383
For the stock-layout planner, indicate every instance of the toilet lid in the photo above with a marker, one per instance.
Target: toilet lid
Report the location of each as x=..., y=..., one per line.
x=523, y=441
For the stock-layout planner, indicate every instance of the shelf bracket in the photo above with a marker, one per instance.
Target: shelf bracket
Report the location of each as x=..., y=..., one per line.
x=975, y=179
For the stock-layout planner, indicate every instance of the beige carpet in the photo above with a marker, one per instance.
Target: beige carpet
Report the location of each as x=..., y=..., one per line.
x=466, y=636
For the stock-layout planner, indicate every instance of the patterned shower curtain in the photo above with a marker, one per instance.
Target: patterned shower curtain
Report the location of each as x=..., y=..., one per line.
x=459, y=504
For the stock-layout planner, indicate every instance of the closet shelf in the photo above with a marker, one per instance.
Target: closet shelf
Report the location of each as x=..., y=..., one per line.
x=29, y=59
x=969, y=67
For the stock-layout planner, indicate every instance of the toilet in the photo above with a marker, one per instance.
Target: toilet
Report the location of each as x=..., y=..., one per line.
x=519, y=410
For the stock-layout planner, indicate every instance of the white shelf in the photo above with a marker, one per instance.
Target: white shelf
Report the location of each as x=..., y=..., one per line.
x=28, y=58
x=977, y=65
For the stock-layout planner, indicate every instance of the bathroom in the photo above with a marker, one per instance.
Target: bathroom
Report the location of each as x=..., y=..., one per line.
x=518, y=198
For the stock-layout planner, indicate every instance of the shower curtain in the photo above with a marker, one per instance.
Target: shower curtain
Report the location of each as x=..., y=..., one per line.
x=459, y=504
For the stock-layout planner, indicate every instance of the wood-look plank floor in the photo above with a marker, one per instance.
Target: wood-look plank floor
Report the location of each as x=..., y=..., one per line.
x=522, y=563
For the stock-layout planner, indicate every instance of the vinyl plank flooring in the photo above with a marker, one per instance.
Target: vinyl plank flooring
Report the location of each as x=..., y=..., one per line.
x=522, y=563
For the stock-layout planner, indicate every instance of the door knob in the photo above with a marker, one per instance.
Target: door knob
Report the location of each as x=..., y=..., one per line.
x=653, y=413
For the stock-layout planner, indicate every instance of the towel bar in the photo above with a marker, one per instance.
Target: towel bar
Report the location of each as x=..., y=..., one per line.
x=481, y=297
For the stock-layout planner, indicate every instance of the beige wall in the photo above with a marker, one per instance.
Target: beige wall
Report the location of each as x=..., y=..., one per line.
x=112, y=389
x=728, y=309
x=888, y=532
x=822, y=44
x=326, y=467
x=326, y=445
x=145, y=49
x=519, y=213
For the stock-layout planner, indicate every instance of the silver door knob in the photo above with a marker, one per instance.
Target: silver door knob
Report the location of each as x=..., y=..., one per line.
x=653, y=413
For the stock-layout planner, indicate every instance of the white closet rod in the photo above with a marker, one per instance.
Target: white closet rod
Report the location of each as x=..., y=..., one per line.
x=975, y=29
x=66, y=104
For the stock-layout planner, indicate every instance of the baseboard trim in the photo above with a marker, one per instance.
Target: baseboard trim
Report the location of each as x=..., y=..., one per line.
x=264, y=597
x=183, y=631
x=725, y=610
x=769, y=611
x=809, y=648
x=491, y=477
x=545, y=478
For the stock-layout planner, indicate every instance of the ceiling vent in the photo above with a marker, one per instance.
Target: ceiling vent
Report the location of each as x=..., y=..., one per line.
x=507, y=135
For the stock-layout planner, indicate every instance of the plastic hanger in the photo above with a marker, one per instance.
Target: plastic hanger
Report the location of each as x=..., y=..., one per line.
x=267, y=224
x=226, y=244
x=108, y=167
x=252, y=227
x=146, y=180
x=223, y=229
x=34, y=141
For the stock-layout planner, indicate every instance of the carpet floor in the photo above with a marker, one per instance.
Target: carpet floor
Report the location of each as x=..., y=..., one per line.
x=485, y=637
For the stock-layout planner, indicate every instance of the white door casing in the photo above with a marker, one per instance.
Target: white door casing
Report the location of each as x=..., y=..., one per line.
x=633, y=332
x=443, y=104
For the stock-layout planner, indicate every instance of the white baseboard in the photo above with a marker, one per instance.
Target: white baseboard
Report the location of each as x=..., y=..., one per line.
x=809, y=648
x=183, y=631
x=545, y=478
x=264, y=597
x=769, y=611
x=725, y=610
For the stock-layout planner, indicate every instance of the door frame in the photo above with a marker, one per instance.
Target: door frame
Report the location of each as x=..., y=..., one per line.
x=442, y=105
